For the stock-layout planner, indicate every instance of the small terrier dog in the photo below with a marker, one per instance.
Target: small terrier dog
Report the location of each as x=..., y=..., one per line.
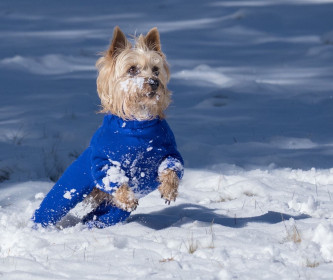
x=134, y=151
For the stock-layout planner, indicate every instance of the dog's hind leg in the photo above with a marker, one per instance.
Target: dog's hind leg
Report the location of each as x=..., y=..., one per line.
x=105, y=215
x=109, y=209
x=73, y=186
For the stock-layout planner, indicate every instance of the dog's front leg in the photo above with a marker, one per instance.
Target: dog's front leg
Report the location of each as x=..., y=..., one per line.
x=124, y=198
x=111, y=179
x=168, y=187
x=170, y=172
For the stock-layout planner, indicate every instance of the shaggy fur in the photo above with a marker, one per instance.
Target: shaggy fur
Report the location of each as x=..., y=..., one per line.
x=132, y=84
x=169, y=185
x=128, y=95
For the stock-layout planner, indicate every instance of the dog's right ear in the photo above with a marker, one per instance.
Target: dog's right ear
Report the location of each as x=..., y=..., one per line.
x=118, y=43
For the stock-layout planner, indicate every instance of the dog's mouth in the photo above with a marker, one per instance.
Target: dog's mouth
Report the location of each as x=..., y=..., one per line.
x=151, y=94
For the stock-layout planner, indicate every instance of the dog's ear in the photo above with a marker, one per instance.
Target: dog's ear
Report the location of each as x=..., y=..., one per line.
x=152, y=40
x=118, y=43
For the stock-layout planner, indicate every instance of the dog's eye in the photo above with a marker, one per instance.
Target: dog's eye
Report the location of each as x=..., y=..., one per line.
x=155, y=71
x=133, y=71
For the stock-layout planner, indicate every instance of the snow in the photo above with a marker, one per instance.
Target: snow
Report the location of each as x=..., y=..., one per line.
x=236, y=231
x=115, y=176
x=251, y=113
x=136, y=82
x=68, y=194
x=171, y=163
x=324, y=237
x=124, y=85
x=47, y=65
x=204, y=73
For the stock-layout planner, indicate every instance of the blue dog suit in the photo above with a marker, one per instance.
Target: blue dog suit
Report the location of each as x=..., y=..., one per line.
x=133, y=152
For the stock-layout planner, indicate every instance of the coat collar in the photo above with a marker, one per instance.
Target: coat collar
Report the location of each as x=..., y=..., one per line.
x=133, y=124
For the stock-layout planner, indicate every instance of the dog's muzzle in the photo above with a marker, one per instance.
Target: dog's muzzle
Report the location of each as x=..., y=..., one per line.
x=153, y=83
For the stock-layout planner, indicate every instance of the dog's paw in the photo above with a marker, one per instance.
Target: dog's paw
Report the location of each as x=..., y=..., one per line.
x=169, y=185
x=95, y=198
x=125, y=199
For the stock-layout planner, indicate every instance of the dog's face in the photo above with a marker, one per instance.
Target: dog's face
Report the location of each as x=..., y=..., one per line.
x=132, y=81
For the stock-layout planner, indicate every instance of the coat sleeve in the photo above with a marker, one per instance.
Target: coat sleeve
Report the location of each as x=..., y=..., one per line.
x=173, y=160
x=174, y=163
x=107, y=174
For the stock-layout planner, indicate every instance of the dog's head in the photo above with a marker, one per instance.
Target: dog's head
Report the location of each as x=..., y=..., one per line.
x=132, y=81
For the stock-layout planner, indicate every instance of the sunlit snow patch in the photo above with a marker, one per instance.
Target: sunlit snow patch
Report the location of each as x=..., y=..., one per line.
x=50, y=64
x=293, y=143
x=203, y=74
x=323, y=236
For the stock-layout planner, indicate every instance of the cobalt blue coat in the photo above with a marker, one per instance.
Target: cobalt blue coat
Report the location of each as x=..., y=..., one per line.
x=132, y=152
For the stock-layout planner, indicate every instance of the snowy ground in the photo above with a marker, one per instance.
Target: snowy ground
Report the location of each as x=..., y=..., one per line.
x=252, y=114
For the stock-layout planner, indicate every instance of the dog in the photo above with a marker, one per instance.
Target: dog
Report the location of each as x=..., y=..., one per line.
x=134, y=151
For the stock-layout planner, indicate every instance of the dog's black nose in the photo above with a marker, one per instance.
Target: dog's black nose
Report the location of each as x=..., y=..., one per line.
x=153, y=83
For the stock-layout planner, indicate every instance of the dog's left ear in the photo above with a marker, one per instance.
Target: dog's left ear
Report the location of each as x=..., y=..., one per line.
x=152, y=40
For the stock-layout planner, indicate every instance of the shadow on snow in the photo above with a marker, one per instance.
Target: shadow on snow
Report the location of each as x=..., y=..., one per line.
x=186, y=213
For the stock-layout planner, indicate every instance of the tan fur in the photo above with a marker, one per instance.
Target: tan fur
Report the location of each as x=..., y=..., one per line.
x=96, y=197
x=127, y=96
x=123, y=198
x=169, y=185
